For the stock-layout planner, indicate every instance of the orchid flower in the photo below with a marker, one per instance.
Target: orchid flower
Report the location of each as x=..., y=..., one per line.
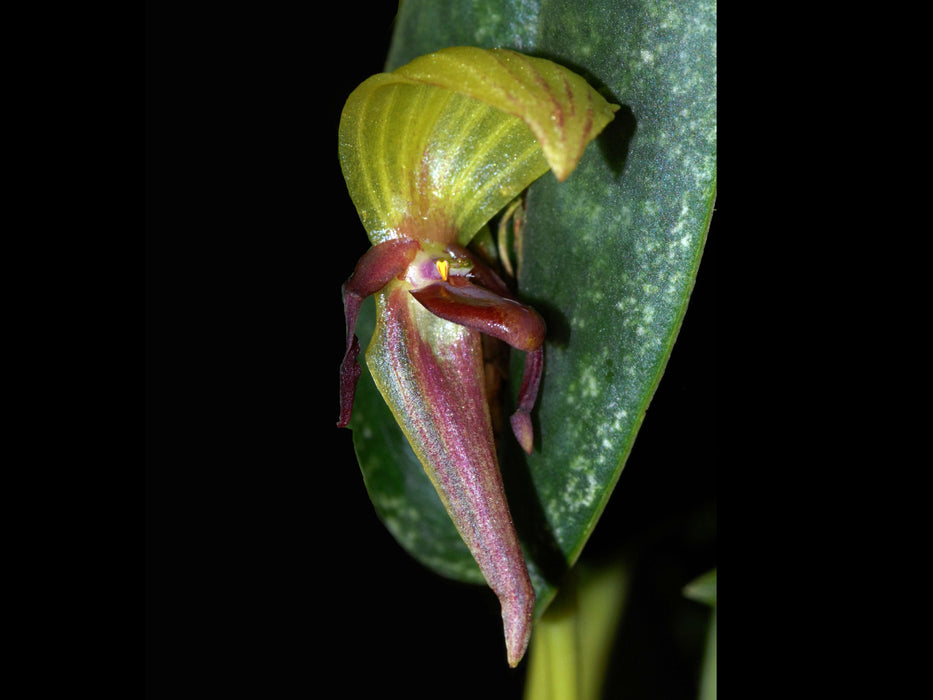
x=430, y=153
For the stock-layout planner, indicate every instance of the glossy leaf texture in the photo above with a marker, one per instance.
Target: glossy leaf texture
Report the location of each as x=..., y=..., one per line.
x=609, y=259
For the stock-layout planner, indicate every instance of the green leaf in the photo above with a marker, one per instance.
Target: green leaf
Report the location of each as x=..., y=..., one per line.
x=609, y=258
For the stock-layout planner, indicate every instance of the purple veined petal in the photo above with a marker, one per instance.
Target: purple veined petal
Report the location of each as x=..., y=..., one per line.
x=481, y=309
x=506, y=319
x=378, y=266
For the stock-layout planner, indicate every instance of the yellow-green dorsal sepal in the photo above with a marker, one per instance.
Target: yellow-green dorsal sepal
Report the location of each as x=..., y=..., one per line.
x=434, y=149
x=562, y=110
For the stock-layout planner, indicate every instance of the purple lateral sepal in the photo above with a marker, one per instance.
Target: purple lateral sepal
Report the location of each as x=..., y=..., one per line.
x=435, y=385
x=426, y=358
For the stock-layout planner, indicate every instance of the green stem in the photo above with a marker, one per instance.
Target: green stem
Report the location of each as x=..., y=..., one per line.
x=572, y=640
x=708, y=674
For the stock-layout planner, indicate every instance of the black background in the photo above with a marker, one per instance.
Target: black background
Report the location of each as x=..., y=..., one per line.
x=267, y=572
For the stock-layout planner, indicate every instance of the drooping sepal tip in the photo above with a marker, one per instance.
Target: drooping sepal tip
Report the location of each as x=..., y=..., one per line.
x=350, y=372
x=527, y=395
x=521, y=427
x=517, y=622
